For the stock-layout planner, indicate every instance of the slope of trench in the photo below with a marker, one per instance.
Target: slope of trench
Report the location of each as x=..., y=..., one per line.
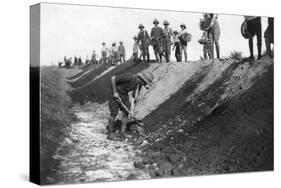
x=88, y=156
x=224, y=127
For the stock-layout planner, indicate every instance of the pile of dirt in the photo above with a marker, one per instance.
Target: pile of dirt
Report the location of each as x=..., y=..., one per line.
x=55, y=117
x=88, y=75
x=82, y=70
x=96, y=87
x=219, y=121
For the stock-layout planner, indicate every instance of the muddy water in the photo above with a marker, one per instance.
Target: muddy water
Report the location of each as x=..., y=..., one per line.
x=88, y=156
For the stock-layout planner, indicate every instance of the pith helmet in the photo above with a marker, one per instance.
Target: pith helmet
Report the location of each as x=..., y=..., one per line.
x=103, y=43
x=176, y=32
x=146, y=77
x=166, y=22
x=155, y=21
x=141, y=25
x=183, y=25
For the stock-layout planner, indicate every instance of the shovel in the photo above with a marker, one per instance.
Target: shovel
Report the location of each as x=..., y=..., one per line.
x=138, y=122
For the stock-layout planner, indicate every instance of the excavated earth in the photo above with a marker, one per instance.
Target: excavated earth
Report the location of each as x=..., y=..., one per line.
x=201, y=117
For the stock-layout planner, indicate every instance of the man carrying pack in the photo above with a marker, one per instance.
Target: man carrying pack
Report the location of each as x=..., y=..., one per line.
x=121, y=86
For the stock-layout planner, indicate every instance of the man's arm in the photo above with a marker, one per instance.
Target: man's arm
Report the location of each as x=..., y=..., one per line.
x=135, y=95
x=113, y=84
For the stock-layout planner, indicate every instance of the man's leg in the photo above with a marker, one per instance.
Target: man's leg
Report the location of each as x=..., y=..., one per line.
x=259, y=39
x=217, y=48
x=251, y=48
x=185, y=53
x=124, y=122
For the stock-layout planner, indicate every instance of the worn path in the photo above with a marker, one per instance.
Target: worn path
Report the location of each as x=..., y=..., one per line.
x=88, y=156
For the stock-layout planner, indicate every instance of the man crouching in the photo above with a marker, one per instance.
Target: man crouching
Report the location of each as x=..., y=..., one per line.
x=121, y=86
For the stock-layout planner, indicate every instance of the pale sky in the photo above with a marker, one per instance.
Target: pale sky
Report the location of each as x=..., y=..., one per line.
x=68, y=30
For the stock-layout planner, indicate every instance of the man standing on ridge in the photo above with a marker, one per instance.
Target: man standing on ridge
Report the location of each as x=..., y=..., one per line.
x=144, y=39
x=254, y=28
x=167, y=34
x=156, y=37
x=121, y=86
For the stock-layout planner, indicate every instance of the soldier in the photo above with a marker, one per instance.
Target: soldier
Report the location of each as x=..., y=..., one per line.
x=121, y=86
x=167, y=34
x=144, y=39
x=269, y=36
x=184, y=37
x=254, y=28
x=136, y=47
x=94, y=57
x=104, y=53
x=214, y=33
x=156, y=36
x=177, y=46
x=121, y=52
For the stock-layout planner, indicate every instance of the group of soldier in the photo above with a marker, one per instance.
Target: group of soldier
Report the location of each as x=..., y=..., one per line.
x=161, y=40
x=113, y=55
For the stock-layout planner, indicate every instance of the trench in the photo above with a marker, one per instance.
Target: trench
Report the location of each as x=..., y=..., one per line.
x=88, y=156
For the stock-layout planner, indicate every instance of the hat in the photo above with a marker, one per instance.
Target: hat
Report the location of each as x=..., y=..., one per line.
x=135, y=37
x=121, y=42
x=103, y=43
x=141, y=25
x=183, y=25
x=175, y=31
x=146, y=77
x=166, y=22
x=155, y=21
x=114, y=43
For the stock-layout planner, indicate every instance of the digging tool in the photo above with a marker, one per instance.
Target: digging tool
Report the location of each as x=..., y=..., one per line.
x=139, y=122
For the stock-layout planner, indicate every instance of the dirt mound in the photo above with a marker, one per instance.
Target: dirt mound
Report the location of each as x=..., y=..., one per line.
x=97, y=88
x=219, y=121
x=83, y=70
x=88, y=75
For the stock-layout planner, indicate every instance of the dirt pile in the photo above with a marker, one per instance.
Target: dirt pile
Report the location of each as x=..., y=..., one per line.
x=96, y=87
x=219, y=121
x=88, y=75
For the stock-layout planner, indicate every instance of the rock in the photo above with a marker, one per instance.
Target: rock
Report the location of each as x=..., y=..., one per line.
x=139, y=164
x=165, y=168
x=131, y=177
x=155, y=155
x=174, y=158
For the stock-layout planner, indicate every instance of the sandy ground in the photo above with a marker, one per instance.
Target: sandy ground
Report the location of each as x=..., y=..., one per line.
x=88, y=156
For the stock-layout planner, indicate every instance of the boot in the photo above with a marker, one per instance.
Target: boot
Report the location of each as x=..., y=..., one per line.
x=124, y=122
x=110, y=134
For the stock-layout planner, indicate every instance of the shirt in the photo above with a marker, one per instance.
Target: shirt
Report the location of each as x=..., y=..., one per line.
x=156, y=32
x=104, y=49
x=167, y=32
x=126, y=82
x=136, y=47
x=121, y=49
x=143, y=36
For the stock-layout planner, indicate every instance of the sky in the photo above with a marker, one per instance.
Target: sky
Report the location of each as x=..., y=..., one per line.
x=73, y=30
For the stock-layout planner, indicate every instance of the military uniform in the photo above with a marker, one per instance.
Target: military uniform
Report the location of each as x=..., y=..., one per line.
x=254, y=27
x=167, y=34
x=125, y=83
x=144, y=39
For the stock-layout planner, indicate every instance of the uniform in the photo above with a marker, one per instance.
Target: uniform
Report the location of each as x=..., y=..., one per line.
x=125, y=83
x=254, y=27
x=121, y=51
x=167, y=34
x=144, y=39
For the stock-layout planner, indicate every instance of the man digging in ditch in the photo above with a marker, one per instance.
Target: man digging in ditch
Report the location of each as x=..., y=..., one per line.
x=121, y=86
